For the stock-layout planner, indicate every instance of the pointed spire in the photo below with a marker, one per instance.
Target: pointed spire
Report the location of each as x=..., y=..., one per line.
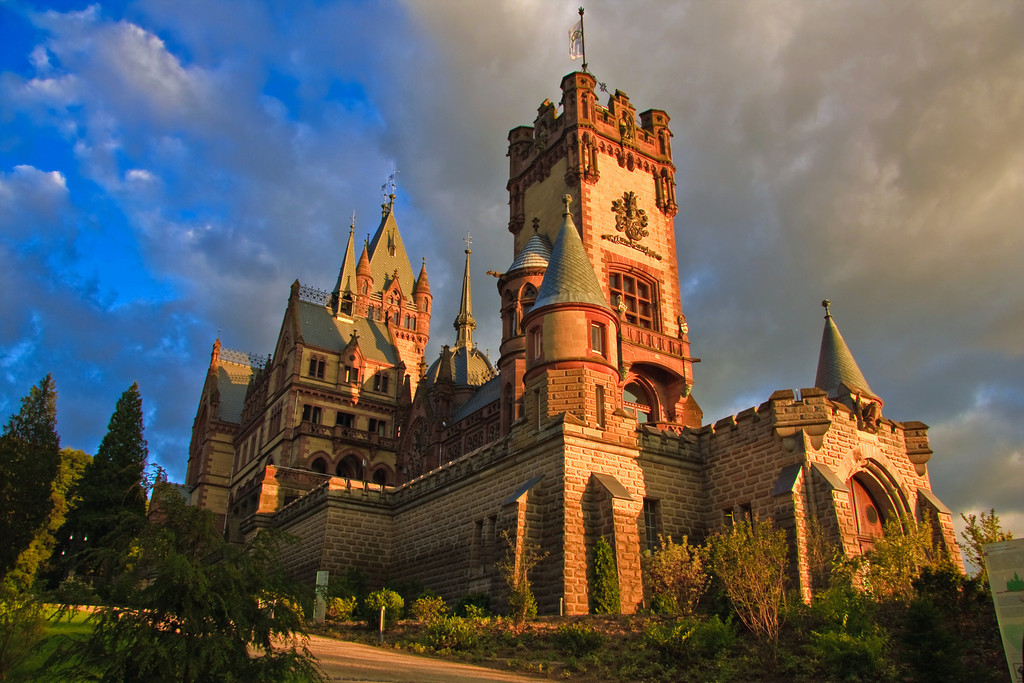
x=422, y=284
x=215, y=355
x=363, y=268
x=570, y=276
x=464, y=322
x=347, y=273
x=835, y=362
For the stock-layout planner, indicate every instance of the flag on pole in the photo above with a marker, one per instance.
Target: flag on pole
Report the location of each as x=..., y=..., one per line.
x=576, y=40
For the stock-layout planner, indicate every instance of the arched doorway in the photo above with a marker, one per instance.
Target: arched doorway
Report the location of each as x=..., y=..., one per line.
x=870, y=516
x=640, y=400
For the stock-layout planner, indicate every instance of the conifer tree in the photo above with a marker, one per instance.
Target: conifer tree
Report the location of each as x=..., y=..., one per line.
x=29, y=458
x=111, y=498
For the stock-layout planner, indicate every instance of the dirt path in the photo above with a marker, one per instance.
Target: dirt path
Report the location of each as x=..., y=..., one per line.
x=345, y=661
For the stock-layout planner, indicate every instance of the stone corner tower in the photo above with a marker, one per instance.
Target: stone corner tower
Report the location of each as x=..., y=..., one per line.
x=618, y=169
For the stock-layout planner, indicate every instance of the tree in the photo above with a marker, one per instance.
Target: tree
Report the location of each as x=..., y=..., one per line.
x=675, y=575
x=29, y=458
x=898, y=557
x=112, y=505
x=197, y=608
x=515, y=569
x=750, y=560
x=604, y=595
x=35, y=557
x=978, y=532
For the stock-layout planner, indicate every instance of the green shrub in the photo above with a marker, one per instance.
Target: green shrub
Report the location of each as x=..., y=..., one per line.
x=474, y=605
x=341, y=609
x=847, y=656
x=22, y=626
x=449, y=633
x=604, y=594
x=392, y=603
x=428, y=607
x=691, y=639
x=577, y=639
x=676, y=576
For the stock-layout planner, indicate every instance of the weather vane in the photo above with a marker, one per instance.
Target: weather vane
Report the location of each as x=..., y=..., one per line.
x=468, y=241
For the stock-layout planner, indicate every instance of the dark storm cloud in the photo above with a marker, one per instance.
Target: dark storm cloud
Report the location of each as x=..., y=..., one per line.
x=864, y=152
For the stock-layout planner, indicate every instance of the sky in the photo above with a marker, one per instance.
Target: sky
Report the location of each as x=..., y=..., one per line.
x=168, y=168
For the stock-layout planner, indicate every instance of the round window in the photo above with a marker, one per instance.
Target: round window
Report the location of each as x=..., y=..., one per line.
x=871, y=514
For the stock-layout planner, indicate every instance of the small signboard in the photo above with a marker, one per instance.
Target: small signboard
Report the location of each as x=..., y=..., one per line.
x=1005, y=564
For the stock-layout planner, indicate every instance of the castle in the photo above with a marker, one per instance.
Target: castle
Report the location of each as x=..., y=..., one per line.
x=417, y=472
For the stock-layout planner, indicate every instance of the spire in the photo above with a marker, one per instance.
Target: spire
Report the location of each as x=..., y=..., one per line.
x=570, y=276
x=835, y=362
x=347, y=273
x=464, y=322
x=422, y=284
x=364, y=263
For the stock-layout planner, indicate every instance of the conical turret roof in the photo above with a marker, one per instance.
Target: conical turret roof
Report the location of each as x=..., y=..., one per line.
x=536, y=254
x=570, y=276
x=836, y=364
x=422, y=285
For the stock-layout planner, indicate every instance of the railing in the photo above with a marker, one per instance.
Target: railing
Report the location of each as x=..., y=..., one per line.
x=653, y=340
x=253, y=360
x=349, y=434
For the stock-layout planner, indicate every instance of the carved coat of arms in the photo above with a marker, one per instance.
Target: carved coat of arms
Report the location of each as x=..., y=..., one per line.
x=628, y=218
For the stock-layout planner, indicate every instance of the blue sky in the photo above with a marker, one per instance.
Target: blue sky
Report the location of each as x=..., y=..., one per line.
x=168, y=168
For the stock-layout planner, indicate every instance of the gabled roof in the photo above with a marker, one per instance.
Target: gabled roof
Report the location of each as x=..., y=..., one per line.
x=570, y=276
x=320, y=328
x=835, y=361
x=387, y=253
x=232, y=383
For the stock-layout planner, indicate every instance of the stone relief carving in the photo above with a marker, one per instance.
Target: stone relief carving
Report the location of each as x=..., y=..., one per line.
x=629, y=218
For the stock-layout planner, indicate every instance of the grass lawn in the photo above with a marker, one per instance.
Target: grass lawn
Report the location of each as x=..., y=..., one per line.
x=70, y=626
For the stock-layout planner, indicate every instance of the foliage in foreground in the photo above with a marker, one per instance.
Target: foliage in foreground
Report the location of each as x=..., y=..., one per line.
x=676, y=576
x=196, y=606
x=515, y=570
x=750, y=560
x=22, y=624
x=978, y=532
x=604, y=592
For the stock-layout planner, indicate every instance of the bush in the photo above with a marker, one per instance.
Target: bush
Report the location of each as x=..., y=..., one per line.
x=392, y=603
x=690, y=639
x=449, y=633
x=604, y=594
x=428, y=607
x=676, y=576
x=474, y=606
x=849, y=657
x=515, y=570
x=341, y=609
x=577, y=639
x=22, y=626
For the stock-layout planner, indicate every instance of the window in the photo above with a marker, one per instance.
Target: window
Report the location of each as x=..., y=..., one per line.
x=599, y=399
x=311, y=414
x=635, y=398
x=638, y=296
x=651, y=530
x=536, y=343
x=316, y=366
x=379, y=426
x=319, y=466
x=597, y=338
x=344, y=419
x=380, y=382
x=351, y=374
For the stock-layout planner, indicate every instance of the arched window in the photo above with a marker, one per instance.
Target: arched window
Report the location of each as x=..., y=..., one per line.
x=319, y=466
x=528, y=298
x=636, y=398
x=350, y=467
x=380, y=476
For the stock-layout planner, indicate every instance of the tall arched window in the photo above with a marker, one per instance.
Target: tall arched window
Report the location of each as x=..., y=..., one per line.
x=638, y=399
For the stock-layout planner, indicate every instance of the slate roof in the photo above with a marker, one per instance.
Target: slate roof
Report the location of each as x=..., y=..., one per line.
x=488, y=393
x=570, y=276
x=347, y=272
x=536, y=254
x=469, y=367
x=320, y=328
x=836, y=364
x=232, y=383
x=387, y=254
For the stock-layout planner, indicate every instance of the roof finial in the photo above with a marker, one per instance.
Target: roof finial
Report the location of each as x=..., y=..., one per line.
x=352, y=225
x=567, y=200
x=825, y=303
x=536, y=224
x=468, y=240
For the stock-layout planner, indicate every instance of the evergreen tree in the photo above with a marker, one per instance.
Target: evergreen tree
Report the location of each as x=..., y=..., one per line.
x=112, y=500
x=604, y=594
x=29, y=459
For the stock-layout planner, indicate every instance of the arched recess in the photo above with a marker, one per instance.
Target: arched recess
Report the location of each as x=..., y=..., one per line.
x=640, y=396
x=877, y=499
x=382, y=475
x=350, y=467
x=319, y=465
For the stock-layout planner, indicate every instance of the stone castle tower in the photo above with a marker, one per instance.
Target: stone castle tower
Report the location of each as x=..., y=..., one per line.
x=586, y=428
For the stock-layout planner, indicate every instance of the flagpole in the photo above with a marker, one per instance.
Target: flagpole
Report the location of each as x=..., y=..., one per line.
x=583, y=41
